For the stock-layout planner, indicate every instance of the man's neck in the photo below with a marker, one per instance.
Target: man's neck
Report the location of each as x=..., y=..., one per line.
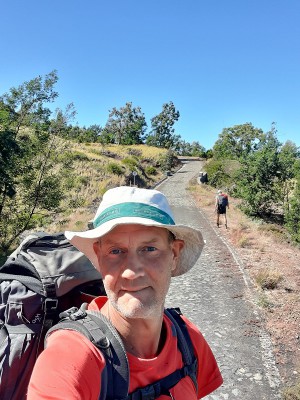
x=143, y=338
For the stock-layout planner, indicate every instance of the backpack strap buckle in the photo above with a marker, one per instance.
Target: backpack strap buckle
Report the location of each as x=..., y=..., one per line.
x=75, y=313
x=50, y=305
x=149, y=392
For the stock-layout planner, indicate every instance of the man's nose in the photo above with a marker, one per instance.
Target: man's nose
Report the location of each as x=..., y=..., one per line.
x=132, y=267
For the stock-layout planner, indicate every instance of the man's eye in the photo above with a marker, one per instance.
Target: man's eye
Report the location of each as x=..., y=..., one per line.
x=115, y=251
x=149, y=248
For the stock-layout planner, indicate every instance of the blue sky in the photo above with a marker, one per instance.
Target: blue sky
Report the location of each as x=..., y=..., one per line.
x=222, y=63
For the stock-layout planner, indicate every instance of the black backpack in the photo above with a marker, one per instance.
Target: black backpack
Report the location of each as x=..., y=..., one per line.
x=45, y=276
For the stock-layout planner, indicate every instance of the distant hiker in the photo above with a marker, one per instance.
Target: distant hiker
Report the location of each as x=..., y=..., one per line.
x=220, y=206
x=138, y=248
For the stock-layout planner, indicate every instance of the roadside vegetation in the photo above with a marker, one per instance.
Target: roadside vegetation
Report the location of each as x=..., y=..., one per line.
x=264, y=174
x=271, y=262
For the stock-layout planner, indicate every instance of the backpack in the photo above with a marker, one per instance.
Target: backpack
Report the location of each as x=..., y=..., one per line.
x=42, y=278
x=222, y=200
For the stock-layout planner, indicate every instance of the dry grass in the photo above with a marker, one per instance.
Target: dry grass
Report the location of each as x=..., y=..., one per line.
x=292, y=393
x=92, y=179
x=268, y=278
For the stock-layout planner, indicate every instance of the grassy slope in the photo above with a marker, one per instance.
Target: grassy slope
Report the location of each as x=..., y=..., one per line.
x=93, y=177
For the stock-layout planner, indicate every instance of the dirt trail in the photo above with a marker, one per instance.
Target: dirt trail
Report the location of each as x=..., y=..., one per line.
x=216, y=295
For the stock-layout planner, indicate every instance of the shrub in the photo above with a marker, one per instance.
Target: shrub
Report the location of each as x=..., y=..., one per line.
x=217, y=177
x=268, y=278
x=150, y=170
x=75, y=203
x=115, y=169
x=131, y=163
x=79, y=156
x=263, y=301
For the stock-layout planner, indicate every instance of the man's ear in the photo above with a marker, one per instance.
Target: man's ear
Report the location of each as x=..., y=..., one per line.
x=177, y=247
x=96, y=247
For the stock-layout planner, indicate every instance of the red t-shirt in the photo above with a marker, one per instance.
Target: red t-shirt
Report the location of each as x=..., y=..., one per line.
x=70, y=367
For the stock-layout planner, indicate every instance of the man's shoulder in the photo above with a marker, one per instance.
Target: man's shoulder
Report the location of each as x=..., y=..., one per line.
x=97, y=303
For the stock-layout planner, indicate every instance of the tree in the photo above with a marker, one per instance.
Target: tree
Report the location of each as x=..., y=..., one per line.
x=126, y=125
x=257, y=178
x=162, y=133
x=292, y=212
x=288, y=155
x=237, y=142
x=31, y=149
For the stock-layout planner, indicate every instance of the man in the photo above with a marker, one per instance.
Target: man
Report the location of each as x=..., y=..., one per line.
x=138, y=248
x=221, y=204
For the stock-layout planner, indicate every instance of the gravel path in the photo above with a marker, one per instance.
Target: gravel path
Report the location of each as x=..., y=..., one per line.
x=216, y=295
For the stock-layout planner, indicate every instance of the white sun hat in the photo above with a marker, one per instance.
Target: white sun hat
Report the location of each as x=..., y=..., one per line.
x=132, y=205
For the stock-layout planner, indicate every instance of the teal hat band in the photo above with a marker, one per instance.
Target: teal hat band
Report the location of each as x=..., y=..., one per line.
x=139, y=210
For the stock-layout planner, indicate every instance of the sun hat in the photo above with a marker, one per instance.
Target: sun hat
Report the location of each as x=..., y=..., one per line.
x=132, y=205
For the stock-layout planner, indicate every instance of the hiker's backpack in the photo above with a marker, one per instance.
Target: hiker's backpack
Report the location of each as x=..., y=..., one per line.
x=115, y=376
x=222, y=200
x=42, y=277
x=222, y=203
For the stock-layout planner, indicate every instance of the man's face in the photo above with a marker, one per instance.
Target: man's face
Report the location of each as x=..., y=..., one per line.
x=136, y=263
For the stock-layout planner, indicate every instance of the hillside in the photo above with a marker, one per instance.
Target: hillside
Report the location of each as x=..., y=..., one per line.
x=97, y=168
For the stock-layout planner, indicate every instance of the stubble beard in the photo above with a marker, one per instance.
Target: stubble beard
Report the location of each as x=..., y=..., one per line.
x=138, y=309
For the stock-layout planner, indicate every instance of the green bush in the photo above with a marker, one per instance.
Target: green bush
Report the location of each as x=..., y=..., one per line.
x=78, y=156
x=75, y=203
x=115, y=169
x=292, y=216
x=150, y=170
x=217, y=173
x=131, y=163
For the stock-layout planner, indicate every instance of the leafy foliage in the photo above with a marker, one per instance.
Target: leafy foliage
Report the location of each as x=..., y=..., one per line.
x=218, y=173
x=168, y=161
x=257, y=177
x=31, y=182
x=115, y=168
x=162, y=133
x=237, y=142
x=125, y=125
x=292, y=213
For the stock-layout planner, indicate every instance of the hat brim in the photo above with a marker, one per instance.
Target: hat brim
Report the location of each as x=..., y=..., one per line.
x=189, y=255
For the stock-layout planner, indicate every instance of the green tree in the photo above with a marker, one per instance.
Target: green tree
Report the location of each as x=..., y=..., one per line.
x=288, y=155
x=257, y=178
x=237, y=142
x=126, y=125
x=292, y=211
x=162, y=132
x=31, y=149
x=168, y=161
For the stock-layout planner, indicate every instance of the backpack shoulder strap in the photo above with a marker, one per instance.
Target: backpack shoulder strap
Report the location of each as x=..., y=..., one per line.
x=184, y=343
x=98, y=329
x=102, y=334
x=163, y=386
